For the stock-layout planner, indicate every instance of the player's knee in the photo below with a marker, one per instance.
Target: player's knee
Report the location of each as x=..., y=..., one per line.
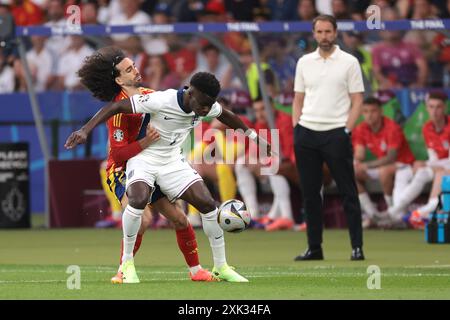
x=424, y=175
x=206, y=205
x=138, y=195
x=138, y=201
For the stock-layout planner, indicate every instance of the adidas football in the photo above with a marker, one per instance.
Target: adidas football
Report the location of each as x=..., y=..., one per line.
x=233, y=216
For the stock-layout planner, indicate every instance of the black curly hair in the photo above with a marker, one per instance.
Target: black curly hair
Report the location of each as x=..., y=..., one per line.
x=99, y=72
x=206, y=83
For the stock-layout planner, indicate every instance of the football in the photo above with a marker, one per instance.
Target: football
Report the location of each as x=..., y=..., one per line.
x=233, y=216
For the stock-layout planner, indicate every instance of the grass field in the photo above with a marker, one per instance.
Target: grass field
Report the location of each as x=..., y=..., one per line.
x=33, y=265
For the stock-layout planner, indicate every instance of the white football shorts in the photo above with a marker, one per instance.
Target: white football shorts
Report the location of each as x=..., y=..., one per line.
x=174, y=178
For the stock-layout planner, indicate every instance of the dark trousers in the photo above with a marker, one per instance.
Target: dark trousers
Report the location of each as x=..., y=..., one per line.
x=312, y=149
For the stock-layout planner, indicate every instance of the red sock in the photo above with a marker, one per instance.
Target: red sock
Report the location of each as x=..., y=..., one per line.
x=137, y=245
x=188, y=245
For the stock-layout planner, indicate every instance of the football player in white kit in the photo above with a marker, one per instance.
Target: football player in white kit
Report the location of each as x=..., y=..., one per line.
x=174, y=113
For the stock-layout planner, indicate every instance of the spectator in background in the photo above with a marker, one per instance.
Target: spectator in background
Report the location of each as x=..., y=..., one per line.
x=187, y=10
x=385, y=139
x=26, y=13
x=161, y=14
x=89, y=11
x=130, y=14
x=262, y=12
x=156, y=44
x=158, y=75
x=306, y=10
x=353, y=42
x=57, y=45
x=211, y=60
x=7, y=81
x=282, y=10
x=109, y=9
x=214, y=11
x=70, y=63
x=41, y=64
x=241, y=10
x=441, y=49
x=281, y=63
x=396, y=63
x=423, y=9
x=182, y=56
x=340, y=10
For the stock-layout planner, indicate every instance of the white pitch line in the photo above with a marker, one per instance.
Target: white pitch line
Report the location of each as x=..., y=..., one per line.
x=257, y=275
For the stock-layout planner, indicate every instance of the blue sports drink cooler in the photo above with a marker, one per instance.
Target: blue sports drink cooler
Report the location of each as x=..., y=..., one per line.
x=437, y=229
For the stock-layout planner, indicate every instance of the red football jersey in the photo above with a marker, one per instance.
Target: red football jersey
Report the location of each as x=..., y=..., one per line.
x=123, y=133
x=437, y=141
x=389, y=137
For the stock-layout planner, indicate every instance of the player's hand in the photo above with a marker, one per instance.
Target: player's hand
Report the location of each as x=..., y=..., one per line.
x=76, y=138
x=361, y=166
x=151, y=134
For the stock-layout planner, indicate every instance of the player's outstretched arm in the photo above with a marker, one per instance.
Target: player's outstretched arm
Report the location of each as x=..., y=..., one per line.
x=80, y=136
x=234, y=122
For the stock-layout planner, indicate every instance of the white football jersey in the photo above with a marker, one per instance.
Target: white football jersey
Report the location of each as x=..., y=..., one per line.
x=173, y=124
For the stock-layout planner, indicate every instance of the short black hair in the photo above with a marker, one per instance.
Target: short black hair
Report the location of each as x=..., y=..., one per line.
x=325, y=17
x=372, y=100
x=206, y=83
x=210, y=46
x=437, y=94
x=98, y=73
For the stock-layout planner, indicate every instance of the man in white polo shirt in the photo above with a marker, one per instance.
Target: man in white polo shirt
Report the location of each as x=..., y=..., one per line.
x=328, y=98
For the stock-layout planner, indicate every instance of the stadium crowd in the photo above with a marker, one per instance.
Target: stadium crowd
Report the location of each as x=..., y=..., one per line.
x=389, y=60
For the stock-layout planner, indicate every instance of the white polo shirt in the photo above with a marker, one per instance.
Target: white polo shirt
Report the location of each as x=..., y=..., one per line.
x=327, y=84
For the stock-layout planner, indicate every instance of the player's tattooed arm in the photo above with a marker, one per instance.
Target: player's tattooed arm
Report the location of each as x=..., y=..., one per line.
x=234, y=122
x=80, y=136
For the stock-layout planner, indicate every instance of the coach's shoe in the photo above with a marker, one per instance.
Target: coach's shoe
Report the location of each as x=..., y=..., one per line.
x=357, y=254
x=227, y=273
x=129, y=272
x=316, y=254
x=202, y=275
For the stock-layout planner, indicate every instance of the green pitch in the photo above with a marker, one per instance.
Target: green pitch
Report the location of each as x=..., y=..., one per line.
x=33, y=265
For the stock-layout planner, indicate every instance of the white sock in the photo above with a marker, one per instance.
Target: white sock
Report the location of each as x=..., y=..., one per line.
x=195, y=269
x=131, y=221
x=215, y=236
x=411, y=191
x=275, y=209
x=429, y=207
x=388, y=200
x=247, y=188
x=282, y=192
x=403, y=177
x=367, y=205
